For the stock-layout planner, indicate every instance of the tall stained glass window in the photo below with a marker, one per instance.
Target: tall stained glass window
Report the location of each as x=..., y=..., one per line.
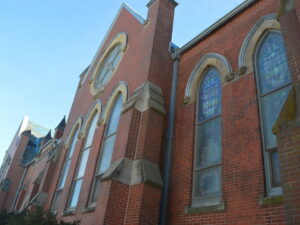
x=207, y=174
x=273, y=79
x=83, y=160
x=107, y=146
x=64, y=172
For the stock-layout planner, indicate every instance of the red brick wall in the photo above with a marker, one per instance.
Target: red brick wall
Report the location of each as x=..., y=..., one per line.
x=242, y=167
x=289, y=142
x=15, y=173
x=147, y=51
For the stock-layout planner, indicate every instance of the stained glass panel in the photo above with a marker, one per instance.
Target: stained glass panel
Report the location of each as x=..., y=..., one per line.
x=208, y=182
x=64, y=174
x=275, y=168
x=91, y=131
x=210, y=95
x=209, y=143
x=73, y=144
x=115, y=116
x=106, y=154
x=272, y=63
x=83, y=163
x=75, y=194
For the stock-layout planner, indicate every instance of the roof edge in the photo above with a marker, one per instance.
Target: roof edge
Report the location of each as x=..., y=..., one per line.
x=129, y=9
x=216, y=25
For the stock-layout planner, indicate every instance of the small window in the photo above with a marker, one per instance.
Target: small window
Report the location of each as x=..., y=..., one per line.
x=208, y=155
x=107, y=147
x=273, y=81
x=81, y=167
x=64, y=173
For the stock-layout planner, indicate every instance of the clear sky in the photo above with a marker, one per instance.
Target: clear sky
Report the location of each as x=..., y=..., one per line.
x=46, y=44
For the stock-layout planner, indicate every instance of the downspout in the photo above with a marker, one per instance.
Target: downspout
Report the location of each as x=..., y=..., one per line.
x=169, y=140
x=19, y=189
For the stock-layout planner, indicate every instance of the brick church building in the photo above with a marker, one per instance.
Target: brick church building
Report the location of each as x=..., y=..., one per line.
x=208, y=133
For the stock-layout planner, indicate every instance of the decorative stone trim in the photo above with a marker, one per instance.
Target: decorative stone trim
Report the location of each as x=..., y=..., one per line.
x=206, y=209
x=119, y=170
x=147, y=172
x=290, y=113
x=76, y=125
x=147, y=96
x=240, y=71
x=120, y=38
x=120, y=88
x=209, y=60
x=132, y=172
x=264, y=201
x=95, y=109
x=246, y=55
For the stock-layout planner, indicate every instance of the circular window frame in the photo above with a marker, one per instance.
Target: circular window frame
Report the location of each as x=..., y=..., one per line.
x=120, y=38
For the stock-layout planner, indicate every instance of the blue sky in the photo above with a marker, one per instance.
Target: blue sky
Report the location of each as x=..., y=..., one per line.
x=46, y=44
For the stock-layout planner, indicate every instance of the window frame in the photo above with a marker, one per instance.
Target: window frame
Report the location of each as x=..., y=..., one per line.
x=105, y=79
x=73, y=143
x=213, y=199
x=75, y=179
x=96, y=175
x=270, y=190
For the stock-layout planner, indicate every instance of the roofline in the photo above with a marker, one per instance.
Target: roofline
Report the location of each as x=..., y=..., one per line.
x=216, y=25
x=137, y=16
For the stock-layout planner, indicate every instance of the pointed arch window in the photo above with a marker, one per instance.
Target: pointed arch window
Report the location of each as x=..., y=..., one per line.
x=76, y=185
x=107, y=147
x=208, y=155
x=65, y=170
x=273, y=81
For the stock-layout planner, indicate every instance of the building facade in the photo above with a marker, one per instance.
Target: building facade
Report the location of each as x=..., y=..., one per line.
x=22, y=151
x=203, y=134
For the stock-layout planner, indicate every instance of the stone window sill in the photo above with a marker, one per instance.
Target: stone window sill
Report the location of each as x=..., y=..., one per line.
x=270, y=200
x=206, y=209
x=90, y=208
x=54, y=212
x=68, y=212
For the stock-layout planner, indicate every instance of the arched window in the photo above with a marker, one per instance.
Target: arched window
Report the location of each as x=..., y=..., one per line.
x=76, y=185
x=65, y=170
x=107, y=146
x=273, y=81
x=208, y=155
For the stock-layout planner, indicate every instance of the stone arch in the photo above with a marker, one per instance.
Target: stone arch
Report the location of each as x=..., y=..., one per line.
x=247, y=52
x=76, y=125
x=120, y=88
x=95, y=109
x=209, y=60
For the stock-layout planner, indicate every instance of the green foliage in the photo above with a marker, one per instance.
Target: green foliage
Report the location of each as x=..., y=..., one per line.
x=36, y=217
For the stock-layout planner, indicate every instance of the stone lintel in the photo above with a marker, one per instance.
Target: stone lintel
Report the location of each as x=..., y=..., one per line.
x=289, y=116
x=147, y=96
x=132, y=172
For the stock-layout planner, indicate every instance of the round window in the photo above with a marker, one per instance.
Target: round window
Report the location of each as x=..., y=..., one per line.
x=108, y=66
